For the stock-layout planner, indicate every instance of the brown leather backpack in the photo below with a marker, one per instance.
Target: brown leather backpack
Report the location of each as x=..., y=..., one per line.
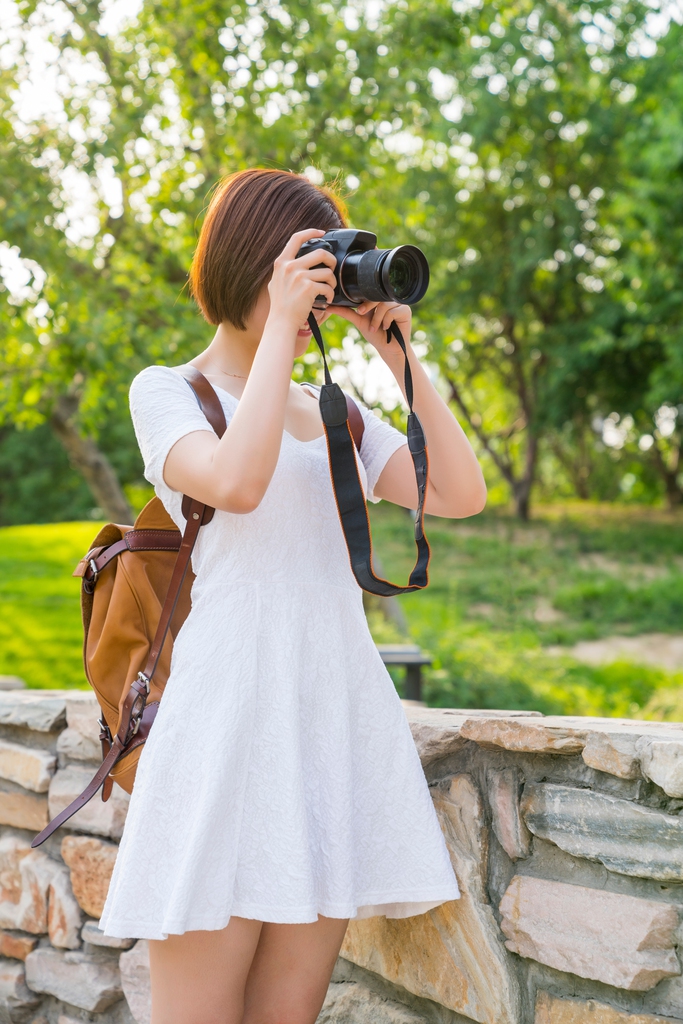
x=135, y=596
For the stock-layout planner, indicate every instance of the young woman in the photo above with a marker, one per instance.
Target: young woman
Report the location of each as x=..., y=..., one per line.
x=280, y=792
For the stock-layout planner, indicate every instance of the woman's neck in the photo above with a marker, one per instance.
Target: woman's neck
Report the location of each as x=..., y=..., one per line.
x=227, y=359
x=231, y=351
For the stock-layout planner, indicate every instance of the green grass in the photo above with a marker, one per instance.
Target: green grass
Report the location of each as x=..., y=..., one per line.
x=584, y=571
x=40, y=620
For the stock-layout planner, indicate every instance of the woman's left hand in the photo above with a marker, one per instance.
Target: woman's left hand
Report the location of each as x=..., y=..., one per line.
x=372, y=319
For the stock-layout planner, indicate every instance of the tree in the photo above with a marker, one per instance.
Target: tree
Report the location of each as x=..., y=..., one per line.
x=489, y=136
x=648, y=202
x=521, y=307
x=148, y=118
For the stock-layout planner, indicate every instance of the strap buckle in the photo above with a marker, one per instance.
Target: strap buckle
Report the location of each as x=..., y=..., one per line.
x=138, y=706
x=89, y=582
x=142, y=678
x=105, y=731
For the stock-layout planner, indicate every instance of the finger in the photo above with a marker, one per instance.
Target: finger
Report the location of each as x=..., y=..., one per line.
x=326, y=290
x=297, y=240
x=365, y=307
x=378, y=316
x=346, y=313
x=312, y=259
x=323, y=274
x=390, y=316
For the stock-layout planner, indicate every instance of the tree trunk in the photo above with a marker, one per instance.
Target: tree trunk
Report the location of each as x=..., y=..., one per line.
x=668, y=470
x=90, y=462
x=674, y=496
x=521, y=488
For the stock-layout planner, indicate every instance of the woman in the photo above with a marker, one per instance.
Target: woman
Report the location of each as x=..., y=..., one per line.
x=279, y=793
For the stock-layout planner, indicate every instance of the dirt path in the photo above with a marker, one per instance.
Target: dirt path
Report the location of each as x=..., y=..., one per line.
x=662, y=650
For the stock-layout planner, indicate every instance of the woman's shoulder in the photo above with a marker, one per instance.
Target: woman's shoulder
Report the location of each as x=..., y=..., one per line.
x=160, y=395
x=157, y=376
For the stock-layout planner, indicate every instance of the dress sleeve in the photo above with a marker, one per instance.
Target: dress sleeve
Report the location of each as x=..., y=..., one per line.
x=380, y=441
x=163, y=408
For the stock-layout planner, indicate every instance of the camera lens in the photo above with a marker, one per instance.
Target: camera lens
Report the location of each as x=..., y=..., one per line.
x=386, y=275
x=400, y=278
x=405, y=274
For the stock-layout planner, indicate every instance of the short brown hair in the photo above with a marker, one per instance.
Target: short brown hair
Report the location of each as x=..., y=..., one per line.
x=251, y=217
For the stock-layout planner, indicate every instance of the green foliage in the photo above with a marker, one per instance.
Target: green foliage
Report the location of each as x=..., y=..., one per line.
x=37, y=484
x=532, y=150
x=656, y=606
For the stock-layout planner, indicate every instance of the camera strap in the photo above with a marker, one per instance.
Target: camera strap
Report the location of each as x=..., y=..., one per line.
x=347, y=486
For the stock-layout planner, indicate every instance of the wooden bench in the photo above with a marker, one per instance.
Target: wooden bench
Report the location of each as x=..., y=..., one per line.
x=412, y=658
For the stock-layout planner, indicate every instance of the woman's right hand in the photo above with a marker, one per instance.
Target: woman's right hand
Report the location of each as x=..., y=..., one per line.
x=295, y=283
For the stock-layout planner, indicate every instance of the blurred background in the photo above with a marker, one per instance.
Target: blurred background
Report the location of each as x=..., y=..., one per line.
x=533, y=150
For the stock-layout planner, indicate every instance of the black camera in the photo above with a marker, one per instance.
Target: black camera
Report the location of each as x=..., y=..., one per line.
x=365, y=273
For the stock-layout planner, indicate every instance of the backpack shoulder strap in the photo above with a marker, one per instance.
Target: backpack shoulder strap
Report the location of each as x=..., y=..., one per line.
x=210, y=404
x=208, y=400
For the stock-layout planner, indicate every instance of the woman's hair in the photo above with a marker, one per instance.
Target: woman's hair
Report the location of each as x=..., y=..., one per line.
x=251, y=217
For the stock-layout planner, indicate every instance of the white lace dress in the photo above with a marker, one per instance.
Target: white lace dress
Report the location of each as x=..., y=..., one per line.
x=280, y=780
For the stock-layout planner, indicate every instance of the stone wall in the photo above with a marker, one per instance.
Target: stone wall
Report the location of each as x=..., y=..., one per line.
x=566, y=835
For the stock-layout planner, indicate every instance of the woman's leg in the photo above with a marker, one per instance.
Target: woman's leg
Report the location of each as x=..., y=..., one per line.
x=291, y=971
x=199, y=977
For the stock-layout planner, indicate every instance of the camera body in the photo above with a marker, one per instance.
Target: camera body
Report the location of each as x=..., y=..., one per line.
x=366, y=273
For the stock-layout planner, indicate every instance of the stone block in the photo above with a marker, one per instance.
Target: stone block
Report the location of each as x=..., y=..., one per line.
x=436, y=731
x=90, y=981
x=43, y=710
x=551, y=735
x=552, y=1010
x=16, y=945
x=454, y=954
x=348, y=1002
x=91, y=862
x=82, y=714
x=613, y=752
x=667, y=998
x=620, y=940
x=135, y=981
x=27, y=766
x=64, y=916
x=622, y=835
x=91, y=933
x=23, y=810
x=73, y=746
x=436, y=734
x=15, y=998
x=12, y=683
x=511, y=832
x=35, y=894
x=662, y=761
x=97, y=817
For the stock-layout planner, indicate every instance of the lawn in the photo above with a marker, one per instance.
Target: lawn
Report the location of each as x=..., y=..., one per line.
x=501, y=592
x=40, y=622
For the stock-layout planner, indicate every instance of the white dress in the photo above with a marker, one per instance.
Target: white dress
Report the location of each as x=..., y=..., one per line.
x=280, y=780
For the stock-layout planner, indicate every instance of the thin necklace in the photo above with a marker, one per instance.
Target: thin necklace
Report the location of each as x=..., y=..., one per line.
x=228, y=374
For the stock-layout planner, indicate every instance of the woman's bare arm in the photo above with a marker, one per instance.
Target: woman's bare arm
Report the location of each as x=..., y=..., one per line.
x=456, y=483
